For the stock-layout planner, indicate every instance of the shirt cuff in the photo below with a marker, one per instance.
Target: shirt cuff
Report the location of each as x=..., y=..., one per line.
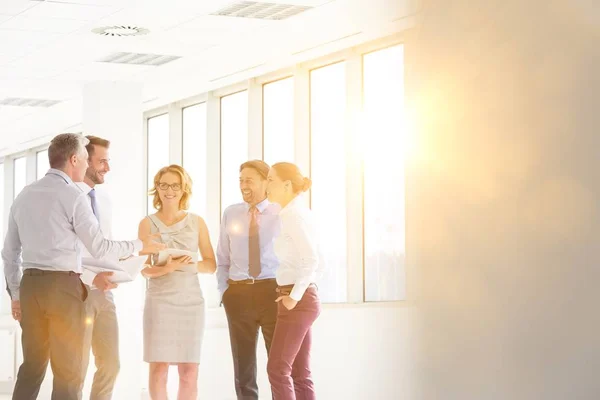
x=298, y=291
x=14, y=295
x=137, y=245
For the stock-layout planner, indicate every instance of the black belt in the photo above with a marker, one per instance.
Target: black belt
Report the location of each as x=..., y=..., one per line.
x=36, y=271
x=249, y=281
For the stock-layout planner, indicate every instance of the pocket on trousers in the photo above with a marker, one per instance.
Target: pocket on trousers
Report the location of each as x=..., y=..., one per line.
x=84, y=293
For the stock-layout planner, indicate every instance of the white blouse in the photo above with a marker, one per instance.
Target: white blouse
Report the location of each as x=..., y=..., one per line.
x=297, y=248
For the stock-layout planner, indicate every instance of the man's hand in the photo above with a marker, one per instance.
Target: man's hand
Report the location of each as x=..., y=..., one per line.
x=287, y=302
x=101, y=282
x=151, y=246
x=16, y=310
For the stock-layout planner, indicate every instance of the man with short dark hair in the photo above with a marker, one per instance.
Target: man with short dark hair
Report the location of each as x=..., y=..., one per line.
x=47, y=224
x=103, y=330
x=246, y=265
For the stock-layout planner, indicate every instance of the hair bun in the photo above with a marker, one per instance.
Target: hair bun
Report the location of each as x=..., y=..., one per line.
x=307, y=184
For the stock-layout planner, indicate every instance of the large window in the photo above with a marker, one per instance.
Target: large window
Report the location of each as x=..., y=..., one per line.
x=384, y=194
x=357, y=171
x=42, y=163
x=158, y=150
x=194, y=154
x=328, y=172
x=20, y=175
x=278, y=121
x=234, y=145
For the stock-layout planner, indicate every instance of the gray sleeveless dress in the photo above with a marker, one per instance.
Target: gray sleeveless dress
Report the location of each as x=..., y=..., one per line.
x=174, y=312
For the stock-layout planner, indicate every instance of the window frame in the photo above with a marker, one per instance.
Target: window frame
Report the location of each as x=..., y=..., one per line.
x=300, y=72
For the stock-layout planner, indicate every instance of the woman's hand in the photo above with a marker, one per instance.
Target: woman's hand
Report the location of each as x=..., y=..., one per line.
x=173, y=263
x=287, y=302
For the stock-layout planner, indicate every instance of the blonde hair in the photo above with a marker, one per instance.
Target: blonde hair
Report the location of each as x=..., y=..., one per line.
x=186, y=186
x=290, y=172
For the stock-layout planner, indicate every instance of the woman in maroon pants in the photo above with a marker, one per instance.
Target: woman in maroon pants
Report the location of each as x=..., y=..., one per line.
x=299, y=305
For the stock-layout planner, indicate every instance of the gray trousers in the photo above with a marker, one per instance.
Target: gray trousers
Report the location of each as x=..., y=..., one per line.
x=102, y=336
x=53, y=329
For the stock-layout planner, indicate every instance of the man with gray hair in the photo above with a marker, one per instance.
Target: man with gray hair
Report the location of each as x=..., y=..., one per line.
x=47, y=223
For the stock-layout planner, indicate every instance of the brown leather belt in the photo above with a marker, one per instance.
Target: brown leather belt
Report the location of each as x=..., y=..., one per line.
x=36, y=271
x=249, y=281
x=285, y=290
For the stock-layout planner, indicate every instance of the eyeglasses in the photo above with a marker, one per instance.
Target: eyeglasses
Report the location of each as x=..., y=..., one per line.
x=165, y=186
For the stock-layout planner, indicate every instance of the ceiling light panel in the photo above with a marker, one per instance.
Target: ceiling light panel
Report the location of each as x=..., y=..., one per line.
x=153, y=60
x=260, y=10
x=25, y=102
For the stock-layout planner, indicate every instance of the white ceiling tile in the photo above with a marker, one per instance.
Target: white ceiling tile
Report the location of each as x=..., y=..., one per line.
x=154, y=19
x=102, y=72
x=4, y=18
x=15, y=7
x=52, y=25
x=8, y=113
x=35, y=71
x=120, y=3
x=38, y=89
x=14, y=42
x=69, y=11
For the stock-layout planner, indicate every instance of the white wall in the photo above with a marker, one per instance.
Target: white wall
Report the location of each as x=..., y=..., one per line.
x=505, y=197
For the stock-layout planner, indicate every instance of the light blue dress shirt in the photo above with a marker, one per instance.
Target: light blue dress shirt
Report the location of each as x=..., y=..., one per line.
x=49, y=223
x=232, y=249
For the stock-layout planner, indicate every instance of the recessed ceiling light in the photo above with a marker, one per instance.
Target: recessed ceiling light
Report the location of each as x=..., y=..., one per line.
x=261, y=10
x=120, y=30
x=27, y=102
x=153, y=60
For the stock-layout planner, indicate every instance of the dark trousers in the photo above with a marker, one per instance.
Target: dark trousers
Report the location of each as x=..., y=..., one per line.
x=289, y=359
x=103, y=337
x=53, y=329
x=248, y=308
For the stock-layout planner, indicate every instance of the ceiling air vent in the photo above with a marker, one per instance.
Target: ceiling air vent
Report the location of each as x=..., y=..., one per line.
x=120, y=30
x=260, y=10
x=21, y=102
x=153, y=60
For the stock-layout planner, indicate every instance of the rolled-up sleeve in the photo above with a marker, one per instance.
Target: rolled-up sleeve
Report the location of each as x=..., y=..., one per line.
x=11, y=257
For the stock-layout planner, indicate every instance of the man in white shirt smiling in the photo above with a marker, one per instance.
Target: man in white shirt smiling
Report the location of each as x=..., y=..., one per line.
x=103, y=330
x=49, y=223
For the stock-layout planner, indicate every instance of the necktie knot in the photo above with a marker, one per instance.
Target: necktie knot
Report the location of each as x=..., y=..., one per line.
x=92, y=193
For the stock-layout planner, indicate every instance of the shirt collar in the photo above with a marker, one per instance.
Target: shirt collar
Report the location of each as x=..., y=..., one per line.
x=295, y=203
x=84, y=187
x=60, y=173
x=262, y=206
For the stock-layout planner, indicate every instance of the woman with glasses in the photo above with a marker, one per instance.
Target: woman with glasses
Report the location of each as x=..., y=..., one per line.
x=174, y=312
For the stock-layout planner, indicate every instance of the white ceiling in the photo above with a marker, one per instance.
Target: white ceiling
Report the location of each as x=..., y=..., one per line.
x=47, y=49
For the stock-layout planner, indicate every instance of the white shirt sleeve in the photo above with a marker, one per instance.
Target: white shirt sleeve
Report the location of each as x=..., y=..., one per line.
x=11, y=256
x=303, y=238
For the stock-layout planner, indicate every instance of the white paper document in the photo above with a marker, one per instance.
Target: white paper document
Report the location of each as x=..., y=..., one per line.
x=123, y=271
